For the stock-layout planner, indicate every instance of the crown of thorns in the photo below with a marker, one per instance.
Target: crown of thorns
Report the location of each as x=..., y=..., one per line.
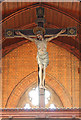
x=39, y=30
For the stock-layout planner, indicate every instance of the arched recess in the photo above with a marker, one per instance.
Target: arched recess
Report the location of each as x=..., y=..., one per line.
x=60, y=73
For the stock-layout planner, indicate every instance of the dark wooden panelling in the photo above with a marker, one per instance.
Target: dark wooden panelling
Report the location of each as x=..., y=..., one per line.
x=57, y=14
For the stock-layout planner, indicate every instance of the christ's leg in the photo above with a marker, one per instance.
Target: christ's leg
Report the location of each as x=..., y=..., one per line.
x=40, y=75
x=44, y=69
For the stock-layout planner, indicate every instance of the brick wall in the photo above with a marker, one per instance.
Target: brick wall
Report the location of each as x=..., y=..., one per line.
x=20, y=72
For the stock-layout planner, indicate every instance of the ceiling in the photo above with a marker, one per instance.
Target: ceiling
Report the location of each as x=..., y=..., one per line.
x=22, y=15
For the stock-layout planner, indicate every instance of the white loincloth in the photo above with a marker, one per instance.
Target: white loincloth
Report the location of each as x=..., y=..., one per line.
x=43, y=59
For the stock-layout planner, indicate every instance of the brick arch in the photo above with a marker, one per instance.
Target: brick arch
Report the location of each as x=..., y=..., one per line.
x=59, y=89
x=20, y=88
x=17, y=92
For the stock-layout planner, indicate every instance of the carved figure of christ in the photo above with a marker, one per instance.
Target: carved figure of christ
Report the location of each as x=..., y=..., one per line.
x=42, y=54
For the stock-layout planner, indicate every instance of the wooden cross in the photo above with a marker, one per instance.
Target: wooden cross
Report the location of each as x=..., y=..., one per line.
x=10, y=33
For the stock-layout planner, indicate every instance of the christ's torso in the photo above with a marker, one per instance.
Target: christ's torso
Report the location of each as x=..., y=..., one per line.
x=41, y=46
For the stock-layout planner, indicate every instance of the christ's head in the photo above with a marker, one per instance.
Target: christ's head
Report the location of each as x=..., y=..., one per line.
x=40, y=35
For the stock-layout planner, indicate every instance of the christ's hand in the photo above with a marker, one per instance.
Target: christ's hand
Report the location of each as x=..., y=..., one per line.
x=63, y=30
x=18, y=32
x=55, y=36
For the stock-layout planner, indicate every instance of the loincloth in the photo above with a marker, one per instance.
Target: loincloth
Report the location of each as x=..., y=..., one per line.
x=43, y=59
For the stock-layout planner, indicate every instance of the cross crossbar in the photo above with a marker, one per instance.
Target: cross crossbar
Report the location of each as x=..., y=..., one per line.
x=10, y=33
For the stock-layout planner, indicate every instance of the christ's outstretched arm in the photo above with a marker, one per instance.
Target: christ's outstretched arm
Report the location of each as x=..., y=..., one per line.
x=25, y=36
x=56, y=35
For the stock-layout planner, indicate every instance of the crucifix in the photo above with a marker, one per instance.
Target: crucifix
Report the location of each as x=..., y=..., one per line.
x=42, y=55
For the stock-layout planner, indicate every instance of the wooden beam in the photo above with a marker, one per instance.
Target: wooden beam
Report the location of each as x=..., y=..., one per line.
x=10, y=33
x=40, y=113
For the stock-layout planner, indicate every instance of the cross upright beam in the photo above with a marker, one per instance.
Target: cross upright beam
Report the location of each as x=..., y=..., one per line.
x=40, y=21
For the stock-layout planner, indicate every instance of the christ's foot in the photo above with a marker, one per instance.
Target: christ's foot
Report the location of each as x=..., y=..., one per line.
x=41, y=87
